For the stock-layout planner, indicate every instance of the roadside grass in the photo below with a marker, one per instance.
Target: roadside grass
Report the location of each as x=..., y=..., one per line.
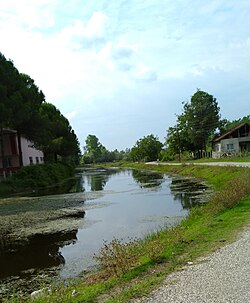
x=226, y=159
x=132, y=270
x=234, y=158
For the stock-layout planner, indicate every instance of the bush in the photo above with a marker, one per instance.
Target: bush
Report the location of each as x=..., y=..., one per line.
x=116, y=257
x=39, y=176
x=236, y=190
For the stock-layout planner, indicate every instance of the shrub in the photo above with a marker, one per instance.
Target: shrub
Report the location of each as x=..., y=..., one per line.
x=116, y=257
x=236, y=190
x=39, y=176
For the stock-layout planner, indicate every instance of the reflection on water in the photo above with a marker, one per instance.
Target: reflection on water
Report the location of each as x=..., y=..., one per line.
x=58, y=234
x=148, y=179
x=39, y=251
x=187, y=191
x=96, y=179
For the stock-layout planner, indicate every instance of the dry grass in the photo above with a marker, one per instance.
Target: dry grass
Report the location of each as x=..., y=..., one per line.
x=236, y=190
x=117, y=257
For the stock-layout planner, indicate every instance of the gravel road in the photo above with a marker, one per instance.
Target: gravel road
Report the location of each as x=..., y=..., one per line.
x=223, y=277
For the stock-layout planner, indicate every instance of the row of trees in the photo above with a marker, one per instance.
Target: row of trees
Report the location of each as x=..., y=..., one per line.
x=95, y=152
x=145, y=149
x=24, y=109
x=195, y=128
x=191, y=136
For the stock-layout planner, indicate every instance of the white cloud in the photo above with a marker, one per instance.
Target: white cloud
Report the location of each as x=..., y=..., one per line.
x=145, y=73
x=32, y=14
x=78, y=36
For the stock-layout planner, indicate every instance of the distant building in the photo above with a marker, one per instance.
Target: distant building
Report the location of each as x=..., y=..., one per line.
x=30, y=155
x=234, y=141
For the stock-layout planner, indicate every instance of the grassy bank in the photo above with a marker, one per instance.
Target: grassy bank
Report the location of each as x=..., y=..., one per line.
x=34, y=178
x=134, y=269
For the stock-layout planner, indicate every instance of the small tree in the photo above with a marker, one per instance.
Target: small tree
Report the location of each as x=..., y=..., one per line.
x=146, y=149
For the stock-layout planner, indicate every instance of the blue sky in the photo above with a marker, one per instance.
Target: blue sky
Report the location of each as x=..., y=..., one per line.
x=121, y=69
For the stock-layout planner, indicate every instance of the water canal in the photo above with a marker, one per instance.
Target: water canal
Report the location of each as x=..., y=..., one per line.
x=55, y=236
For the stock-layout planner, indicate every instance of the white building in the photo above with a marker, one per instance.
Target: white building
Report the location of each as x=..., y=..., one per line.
x=30, y=155
x=234, y=141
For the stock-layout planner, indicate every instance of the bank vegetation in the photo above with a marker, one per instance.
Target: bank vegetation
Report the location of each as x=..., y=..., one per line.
x=131, y=270
x=36, y=178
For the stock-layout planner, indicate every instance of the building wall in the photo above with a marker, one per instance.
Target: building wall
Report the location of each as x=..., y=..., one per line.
x=230, y=145
x=31, y=155
x=10, y=151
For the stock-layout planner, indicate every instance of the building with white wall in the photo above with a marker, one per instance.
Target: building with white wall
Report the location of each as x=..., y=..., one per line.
x=234, y=141
x=30, y=155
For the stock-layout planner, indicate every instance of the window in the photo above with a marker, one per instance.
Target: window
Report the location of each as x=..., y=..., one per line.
x=31, y=160
x=41, y=159
x=230, y=146
x=37, y=160
x=7, y=162
x=217, y=148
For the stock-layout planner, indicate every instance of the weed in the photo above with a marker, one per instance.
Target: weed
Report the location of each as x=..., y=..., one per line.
x=235, y=190
x=118, y=257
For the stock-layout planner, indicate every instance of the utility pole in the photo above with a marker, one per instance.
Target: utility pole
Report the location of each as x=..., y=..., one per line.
x=179, y=143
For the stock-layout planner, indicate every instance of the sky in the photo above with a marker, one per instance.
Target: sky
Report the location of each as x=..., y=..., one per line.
x=120, y=69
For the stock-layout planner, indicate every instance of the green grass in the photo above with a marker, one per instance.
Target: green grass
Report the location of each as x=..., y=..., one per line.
x=148, y=261
x=228, y=159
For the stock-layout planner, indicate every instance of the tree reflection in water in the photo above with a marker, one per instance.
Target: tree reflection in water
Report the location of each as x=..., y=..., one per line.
x=187, y=191
x=148, y=179
x=21, y=262
x=98, y=178
x=40, y=251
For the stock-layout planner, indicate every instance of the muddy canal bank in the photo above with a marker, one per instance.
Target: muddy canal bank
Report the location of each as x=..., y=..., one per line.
x=54, y=237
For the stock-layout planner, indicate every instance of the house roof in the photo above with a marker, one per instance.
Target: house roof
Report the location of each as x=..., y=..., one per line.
x=230, y=132
x=9, y=131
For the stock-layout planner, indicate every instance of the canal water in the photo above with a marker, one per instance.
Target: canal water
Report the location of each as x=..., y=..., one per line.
x=53, y=237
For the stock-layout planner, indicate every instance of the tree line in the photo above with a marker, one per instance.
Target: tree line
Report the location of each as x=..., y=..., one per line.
x=191, y=136
x=95, y=152
x=23, y=108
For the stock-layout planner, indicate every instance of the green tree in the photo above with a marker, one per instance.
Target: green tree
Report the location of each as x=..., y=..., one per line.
x=23, y=108
x=93, y=149
x=20, y=100
x=202, y=115
x=146, y=149
x=195, y=126
x=9, y=86
x=178, y=141
x=25, y=105
x=56, y=137
x=226, y=125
